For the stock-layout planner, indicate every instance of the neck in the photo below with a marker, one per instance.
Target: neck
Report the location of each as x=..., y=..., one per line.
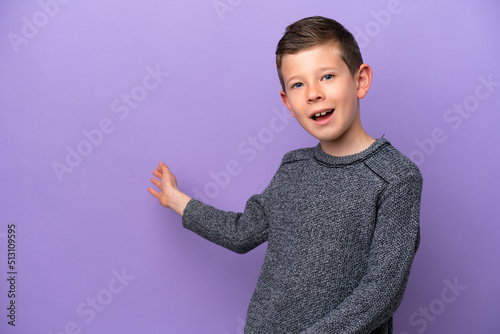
x=347, y=145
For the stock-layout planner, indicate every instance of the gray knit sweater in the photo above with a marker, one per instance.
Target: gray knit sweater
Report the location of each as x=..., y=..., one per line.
x=342, y=233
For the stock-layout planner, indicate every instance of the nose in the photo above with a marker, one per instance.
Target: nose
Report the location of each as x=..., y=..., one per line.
x=315, y=92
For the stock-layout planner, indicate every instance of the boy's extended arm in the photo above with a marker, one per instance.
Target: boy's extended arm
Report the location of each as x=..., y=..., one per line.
x=395, y=241
x=169, y=195
x=239, y=232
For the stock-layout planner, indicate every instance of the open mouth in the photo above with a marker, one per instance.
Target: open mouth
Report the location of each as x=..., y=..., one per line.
x=322, y=115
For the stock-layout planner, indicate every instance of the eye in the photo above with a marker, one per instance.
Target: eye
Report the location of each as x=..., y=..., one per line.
x=328, y=77
x=297, y=85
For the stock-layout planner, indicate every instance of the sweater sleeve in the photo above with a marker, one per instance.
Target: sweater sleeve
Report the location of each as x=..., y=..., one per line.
x=394, y=244
x=236, y=231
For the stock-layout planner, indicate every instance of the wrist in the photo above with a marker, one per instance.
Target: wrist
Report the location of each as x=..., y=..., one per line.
x=180, y=203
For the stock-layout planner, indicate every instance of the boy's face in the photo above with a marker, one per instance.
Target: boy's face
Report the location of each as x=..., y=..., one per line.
x=322, y=94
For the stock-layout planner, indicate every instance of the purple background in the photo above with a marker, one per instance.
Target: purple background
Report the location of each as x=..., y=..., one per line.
x=68, y=73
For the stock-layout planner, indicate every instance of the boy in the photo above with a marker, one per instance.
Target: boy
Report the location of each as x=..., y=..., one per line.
x=341, y=219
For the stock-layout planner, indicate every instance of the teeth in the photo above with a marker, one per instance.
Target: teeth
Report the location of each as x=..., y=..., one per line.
x=322, y=113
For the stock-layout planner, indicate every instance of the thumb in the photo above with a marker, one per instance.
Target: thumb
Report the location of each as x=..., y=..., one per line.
x=164, y=167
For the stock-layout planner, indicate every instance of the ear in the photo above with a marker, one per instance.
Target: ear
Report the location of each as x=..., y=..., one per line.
x=286, y=102
x=364, y=80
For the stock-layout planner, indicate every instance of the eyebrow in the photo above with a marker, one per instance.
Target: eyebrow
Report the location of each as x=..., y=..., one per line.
x=329, y=68
x=293, y=77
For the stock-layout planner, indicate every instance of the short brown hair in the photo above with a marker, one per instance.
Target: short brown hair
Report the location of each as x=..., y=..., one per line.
x=313, y=31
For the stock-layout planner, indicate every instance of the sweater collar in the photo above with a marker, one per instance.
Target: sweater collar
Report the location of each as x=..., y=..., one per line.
x=335, y=161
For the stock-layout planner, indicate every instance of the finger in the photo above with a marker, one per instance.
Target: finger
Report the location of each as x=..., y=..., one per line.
x=157, y=174
x=156, y=182
x=154, y=192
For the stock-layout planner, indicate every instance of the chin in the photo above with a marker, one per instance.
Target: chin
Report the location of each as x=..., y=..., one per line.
x=325, y=137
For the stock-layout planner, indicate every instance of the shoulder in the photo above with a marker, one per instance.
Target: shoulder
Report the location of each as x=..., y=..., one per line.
x=393, y=166
x=300, y=154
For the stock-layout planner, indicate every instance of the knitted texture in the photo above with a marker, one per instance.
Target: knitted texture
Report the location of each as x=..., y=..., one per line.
x=342, y=233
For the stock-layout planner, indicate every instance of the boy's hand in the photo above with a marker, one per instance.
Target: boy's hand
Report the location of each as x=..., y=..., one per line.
x=169, y=196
